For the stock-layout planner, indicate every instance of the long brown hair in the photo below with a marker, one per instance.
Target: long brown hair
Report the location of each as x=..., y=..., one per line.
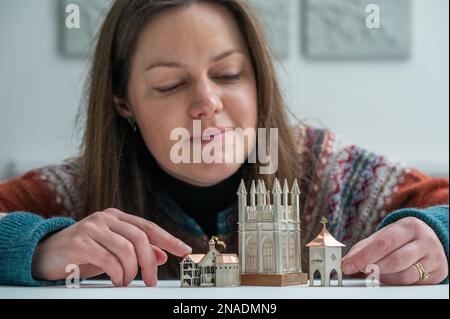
x=116, y=159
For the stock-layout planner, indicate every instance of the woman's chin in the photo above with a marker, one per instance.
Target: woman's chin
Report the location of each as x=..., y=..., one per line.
x=205, y=175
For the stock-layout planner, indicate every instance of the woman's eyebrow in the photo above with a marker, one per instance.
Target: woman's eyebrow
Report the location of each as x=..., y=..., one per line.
x=227, y=54
x=181, y=65
x=165, y=65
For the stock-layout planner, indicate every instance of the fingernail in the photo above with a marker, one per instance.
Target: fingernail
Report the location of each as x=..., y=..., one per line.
x=349, y=268
x=154, y=281
x=185, y=247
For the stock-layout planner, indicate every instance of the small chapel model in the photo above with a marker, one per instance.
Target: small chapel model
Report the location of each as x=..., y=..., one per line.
x=211, y=270
x=269, y=235
x=325, y=255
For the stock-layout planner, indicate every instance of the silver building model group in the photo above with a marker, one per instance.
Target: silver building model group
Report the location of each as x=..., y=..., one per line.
x=269, y=245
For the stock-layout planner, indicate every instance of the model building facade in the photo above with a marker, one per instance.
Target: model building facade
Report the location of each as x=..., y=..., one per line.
x=325, y=256
x=269, y=235
x=213, y=269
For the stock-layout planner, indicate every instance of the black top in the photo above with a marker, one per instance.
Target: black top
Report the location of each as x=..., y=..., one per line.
x=202, y=203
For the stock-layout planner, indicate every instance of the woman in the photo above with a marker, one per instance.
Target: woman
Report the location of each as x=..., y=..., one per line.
x=160, y=66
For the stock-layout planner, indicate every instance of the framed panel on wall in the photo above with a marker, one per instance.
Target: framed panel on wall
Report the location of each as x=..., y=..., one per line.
x=78, y=42
x=338, y=29
x=276, y=18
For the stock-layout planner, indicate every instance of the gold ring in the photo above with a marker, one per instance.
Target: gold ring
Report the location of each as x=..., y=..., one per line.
x=422, y=272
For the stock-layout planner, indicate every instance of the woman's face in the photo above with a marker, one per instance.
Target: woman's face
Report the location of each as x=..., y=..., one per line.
x=191, y=64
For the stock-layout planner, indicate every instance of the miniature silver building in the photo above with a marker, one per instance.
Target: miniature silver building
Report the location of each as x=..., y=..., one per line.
x=325, y=255
x=211, y=270
x=269, y=235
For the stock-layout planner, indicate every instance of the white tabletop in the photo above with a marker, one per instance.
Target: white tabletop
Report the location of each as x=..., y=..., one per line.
x=353, y=289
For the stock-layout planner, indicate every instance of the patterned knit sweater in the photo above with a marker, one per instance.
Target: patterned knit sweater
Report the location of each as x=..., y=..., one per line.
x=357, y=190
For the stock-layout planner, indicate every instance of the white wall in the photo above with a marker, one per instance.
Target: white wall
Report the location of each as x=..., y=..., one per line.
x=400, y=109
x=39, y=90
x=395, y=108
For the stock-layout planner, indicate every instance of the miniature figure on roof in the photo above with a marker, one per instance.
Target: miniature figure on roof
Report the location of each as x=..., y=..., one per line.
x=325, y=255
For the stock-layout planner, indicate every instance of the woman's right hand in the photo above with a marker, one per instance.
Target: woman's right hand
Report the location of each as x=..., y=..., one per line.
x=110, y=242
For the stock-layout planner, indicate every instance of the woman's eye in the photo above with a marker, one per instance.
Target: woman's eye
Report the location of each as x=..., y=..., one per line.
x=168, y=89
x=230, y=77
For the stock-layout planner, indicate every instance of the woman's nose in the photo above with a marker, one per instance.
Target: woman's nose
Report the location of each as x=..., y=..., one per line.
x=206, y=101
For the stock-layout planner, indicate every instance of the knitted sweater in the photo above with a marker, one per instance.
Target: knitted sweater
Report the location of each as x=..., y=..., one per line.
x=357, y=190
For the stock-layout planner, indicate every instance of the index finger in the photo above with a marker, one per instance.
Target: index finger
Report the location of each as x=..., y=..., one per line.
x=376, y=247
x=156, y=235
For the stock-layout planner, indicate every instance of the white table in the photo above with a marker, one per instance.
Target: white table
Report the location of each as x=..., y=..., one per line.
x=170, y=290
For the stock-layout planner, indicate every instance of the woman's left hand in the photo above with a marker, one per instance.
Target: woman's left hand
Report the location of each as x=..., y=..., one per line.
x=396, y=249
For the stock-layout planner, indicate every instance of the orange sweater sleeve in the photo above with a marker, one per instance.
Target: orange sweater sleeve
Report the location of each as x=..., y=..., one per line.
x=418, y=190
x=29, y=193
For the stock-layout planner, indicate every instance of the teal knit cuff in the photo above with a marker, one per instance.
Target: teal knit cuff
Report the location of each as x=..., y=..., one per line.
x=19, y=235
x=435, y=217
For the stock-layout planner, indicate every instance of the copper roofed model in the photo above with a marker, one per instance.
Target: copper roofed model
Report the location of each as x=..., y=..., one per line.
x=325, y=239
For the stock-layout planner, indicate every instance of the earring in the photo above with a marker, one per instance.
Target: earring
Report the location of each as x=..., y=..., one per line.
x=132, y=123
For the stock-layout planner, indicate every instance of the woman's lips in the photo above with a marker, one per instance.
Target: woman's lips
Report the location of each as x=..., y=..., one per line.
x=213, y=135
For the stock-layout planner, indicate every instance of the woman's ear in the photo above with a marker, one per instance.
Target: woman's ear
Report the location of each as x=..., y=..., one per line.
x=123, y=108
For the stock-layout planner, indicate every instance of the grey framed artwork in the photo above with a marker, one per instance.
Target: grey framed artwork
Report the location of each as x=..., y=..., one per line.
x=79, y=41
x=276, y=17
x=334, y=29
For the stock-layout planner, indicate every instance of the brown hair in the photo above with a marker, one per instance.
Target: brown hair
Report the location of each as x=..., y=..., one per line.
x=115, y=159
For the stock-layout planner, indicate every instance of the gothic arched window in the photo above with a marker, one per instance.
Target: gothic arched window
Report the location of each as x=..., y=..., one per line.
x=268, y=255
x=251, y=263
x=292, y=253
